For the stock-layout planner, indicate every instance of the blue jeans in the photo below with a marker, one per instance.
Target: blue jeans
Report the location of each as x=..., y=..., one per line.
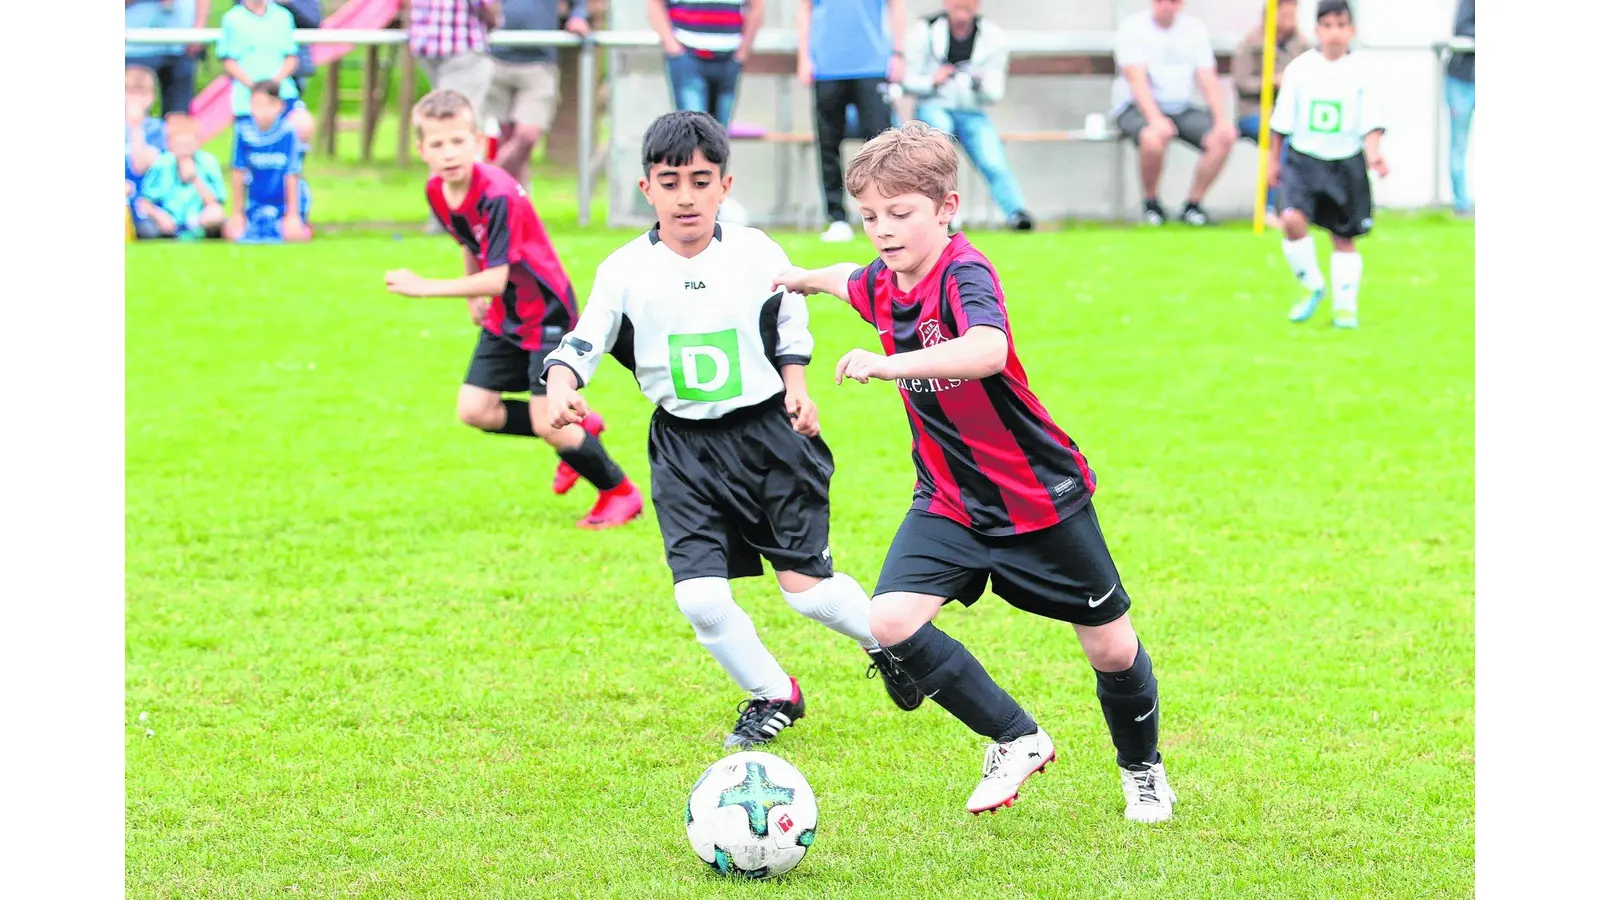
x=982, y=142
x=707, y=85
x=1459, y=96
x=1250, y=129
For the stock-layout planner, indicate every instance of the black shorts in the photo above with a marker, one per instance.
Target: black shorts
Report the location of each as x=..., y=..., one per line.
x=1193, y=124
x=498, y=364
x=1063, y=572
x=732, y=491
x=1334, y=194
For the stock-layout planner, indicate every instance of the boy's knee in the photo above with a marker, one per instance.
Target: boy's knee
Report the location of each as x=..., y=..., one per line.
x=479, y=414
x=892, y=622
x=705, y=602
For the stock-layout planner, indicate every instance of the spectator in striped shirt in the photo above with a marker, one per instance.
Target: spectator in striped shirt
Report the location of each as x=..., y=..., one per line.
x=448, y=38
x=706, y=42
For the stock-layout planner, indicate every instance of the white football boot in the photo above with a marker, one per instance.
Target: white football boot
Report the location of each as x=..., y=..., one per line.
x=1006, y=767
x=1150, y=798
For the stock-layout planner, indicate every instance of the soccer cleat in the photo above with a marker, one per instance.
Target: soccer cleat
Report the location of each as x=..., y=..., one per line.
x=567, y=476
x=1194, y=215
x=761, y=720
x=1153, y=214
x=1020, y=221
x=902, y=688
x=618, y=506
x=1006, y=767
x=1150, y=798
x=837, y=233
x=1306, y=308
x=1344, y=318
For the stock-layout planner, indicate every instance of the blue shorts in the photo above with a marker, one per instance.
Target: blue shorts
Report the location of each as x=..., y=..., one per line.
x=263, y=222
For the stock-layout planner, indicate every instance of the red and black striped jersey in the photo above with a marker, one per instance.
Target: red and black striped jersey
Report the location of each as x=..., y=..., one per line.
x=497, y=224
x=987, y=453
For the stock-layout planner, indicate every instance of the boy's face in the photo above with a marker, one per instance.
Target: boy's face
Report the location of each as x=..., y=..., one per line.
x=183, y=144
x=266, y=109
x=686, y=197
x=905, y=228
x=1334, y=33
x=449, y=146
x=141, y=94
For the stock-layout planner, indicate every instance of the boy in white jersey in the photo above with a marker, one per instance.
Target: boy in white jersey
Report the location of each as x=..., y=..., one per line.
x=738, y=468
x=1327, y=112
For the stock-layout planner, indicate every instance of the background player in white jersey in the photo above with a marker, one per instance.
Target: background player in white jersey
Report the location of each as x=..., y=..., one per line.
x=738, y=468
x=1329, y=115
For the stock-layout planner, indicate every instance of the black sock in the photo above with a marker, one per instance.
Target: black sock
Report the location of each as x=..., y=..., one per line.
x=1128, y=699
x=518, y=422
x=591, y=461
x=952, y=677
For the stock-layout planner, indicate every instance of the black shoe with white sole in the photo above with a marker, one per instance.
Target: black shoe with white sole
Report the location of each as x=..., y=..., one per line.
x=761, y=720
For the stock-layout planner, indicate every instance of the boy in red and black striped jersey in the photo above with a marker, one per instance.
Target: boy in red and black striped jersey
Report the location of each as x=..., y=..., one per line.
x=518, y=292
x=1002, y=492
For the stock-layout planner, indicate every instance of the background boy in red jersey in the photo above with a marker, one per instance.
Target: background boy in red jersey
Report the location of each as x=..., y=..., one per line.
x=1002, y=493
x=518, y=291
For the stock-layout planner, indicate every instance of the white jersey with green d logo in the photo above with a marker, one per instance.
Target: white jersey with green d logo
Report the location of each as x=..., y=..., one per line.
x=705, y=335
x=1326, y=107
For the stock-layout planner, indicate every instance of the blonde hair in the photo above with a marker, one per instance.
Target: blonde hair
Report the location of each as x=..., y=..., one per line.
x=912, y=159
x=437, y=106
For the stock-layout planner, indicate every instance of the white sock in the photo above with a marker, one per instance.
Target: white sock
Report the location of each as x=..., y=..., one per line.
x=1345, y=270
x=727, y=632
x=839, y=603
x=1302, y=257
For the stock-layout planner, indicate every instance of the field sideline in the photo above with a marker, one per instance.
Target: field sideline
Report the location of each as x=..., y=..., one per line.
x=378, y=660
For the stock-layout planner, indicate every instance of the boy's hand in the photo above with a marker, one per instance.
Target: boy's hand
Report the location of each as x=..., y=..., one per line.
x=1274, y=172
x=135, y=112
x=1377, y=163
x=187, y=170
x=803, y=411
x=566, y=406
x=478, y=307
x=404, y=282
x=294, y=229
x=163, y=220
x=795, y=280
x=862, y=365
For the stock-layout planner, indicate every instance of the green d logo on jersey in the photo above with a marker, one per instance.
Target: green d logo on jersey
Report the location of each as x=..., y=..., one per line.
x=1327, y=116
x=705, y=367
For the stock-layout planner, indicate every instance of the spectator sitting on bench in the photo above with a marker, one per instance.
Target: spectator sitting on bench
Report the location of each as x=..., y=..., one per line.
x=271, y=201
x=1248, y=62
x=181, y=196
x=1161, y=56
x=144, y=138
x=956, y=64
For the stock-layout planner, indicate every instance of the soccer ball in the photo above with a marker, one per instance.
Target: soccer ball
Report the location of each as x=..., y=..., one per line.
x=751, y=815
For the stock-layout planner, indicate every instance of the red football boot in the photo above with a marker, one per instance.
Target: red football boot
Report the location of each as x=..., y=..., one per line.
x=617, y=506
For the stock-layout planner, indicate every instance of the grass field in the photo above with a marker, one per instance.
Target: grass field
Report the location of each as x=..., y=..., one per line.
x=378, y=660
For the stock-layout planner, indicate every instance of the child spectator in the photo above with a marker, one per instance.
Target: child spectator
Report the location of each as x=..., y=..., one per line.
x=181, y=195
x=258, y=45
x=144, y=137
x=271, y=201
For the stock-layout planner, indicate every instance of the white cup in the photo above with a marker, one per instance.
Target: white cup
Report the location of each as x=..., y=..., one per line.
x=1094, y=125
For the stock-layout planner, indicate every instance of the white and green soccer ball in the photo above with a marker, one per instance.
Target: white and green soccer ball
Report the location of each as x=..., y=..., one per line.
x=751, y=815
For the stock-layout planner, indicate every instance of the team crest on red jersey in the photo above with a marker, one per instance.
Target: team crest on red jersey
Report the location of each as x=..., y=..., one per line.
x=931, y=333
x=479, y=232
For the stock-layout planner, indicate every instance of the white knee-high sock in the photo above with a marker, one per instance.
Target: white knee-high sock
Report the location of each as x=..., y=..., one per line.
x=1302, y=257
x=1345, y=269
x=839, y=603
x=728, y=634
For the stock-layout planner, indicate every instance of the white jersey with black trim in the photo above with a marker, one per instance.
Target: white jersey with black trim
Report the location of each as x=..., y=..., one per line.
x=704, y=336
x=1327, y=107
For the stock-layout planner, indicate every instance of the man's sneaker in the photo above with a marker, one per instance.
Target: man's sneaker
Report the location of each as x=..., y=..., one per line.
x=567, y=476
x=1150, y=798
x=1020, y=221
x=1193, y=215
x=1344, y=318
x=617, y=506
x=902, y=688
x=1306, y=308
x=837, y=233
x=1153, y=213
x=761, y=720
x=1006, y=767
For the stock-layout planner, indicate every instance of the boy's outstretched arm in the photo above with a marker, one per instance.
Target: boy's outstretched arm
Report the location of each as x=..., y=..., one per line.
x=979, y=353
x=833, y=280
x=490, y=282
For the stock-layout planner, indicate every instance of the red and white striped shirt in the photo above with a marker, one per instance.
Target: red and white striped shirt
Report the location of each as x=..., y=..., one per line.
x=710, y=29
x=445, y=28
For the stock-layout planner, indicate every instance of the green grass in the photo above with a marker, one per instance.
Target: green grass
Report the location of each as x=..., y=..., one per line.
x=378, y=660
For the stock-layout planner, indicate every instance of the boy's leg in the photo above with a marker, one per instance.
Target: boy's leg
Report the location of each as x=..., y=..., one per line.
x=1348, y=216
x=579, y=447
x=831, y=99
x=1460, y=97
x=1297, y=189
x=1344, y=267
x=1066, y=573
